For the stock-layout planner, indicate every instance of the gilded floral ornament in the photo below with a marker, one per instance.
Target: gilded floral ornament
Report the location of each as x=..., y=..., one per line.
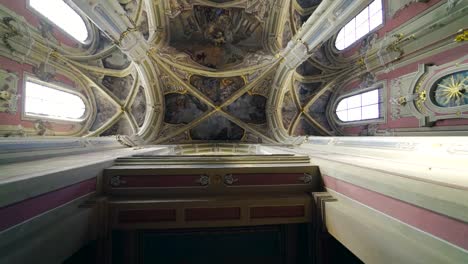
x=421, y=95
x=462, y=36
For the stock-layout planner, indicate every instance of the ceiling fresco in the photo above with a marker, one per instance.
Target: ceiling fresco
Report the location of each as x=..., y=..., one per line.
x=217, y=89
x=305, y=91
x=182, y=108
x=289, y=110
x=216, y=72
x=217, y=128
x=217, y=38
x=308, y=3
x=119, y=86
x=138, y=109
x=249, y=108
x=304, y=106
x=205, y=100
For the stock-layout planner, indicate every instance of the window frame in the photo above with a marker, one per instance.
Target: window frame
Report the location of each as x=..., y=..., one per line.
x=381, y=86
x=57, y=86
x=88, y=26
x=357, y=41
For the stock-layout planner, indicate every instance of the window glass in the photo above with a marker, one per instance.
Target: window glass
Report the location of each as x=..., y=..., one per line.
x=359, y=26
x=363, y=106
x=49, y=102
x=62, y=15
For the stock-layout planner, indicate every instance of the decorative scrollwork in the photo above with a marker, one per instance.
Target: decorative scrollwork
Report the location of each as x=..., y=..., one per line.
x=421, y=95
x=307, y=178
x=229, y=179
x=12, y=32
x=115, y=181
x=462, y=36
x=395, y=45
x=204, y=180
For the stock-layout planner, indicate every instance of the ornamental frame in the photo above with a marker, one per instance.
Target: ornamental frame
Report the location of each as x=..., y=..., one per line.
x=428, y=112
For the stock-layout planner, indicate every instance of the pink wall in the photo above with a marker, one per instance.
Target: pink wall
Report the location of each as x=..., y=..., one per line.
x=400, y=18
x=25, y=210
x=20, y=7
x=20, y=69
x=441, y=226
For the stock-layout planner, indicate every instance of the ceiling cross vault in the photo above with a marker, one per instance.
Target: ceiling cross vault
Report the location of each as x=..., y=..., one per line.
x=216, y=70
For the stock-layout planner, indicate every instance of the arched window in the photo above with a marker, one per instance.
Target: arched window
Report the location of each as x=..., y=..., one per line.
x=42, y=100
x=362, y=106
x=63, y=16
x=359, y=26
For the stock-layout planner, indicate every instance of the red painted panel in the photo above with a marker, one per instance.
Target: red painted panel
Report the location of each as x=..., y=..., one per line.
x=208, y=214
x=147, y=216
x=441, y=226
x=158, y=181
x=19, y=212
x=267, y=179
x=277, y=211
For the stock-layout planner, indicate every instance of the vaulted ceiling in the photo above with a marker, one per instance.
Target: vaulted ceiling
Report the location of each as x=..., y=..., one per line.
x=217, y=65
x=181, y=71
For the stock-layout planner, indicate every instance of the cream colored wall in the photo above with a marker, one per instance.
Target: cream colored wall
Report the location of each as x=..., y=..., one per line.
x=428, y=173
x=377, y=238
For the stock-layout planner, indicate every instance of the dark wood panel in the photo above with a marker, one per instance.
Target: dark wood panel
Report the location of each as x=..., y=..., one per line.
x=147, y=216
x=277, y=211
x=154, y=181
x=209, y=214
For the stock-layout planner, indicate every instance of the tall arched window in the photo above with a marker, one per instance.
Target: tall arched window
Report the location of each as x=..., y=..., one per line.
x=63, y=16
x=42, y=100
x=359, y=26
x=362, y=106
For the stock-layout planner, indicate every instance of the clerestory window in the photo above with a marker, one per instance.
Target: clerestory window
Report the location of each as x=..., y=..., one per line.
x=63, y=16
x=366, y=21
x=46, y=101
x=362, y=106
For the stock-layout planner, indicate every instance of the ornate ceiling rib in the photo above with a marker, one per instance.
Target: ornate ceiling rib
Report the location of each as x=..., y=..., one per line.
x=325, y=21
x=215, y=108
x=211, y=57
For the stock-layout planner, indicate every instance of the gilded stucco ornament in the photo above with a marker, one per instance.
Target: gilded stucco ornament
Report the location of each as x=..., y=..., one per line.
x=229, y=179
x=395, y=46
x=115, y=181
x=204, y=180
x=306, y=179
x=462, y=36
x=421, y=94
x=8, y=92
x=11, y=32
